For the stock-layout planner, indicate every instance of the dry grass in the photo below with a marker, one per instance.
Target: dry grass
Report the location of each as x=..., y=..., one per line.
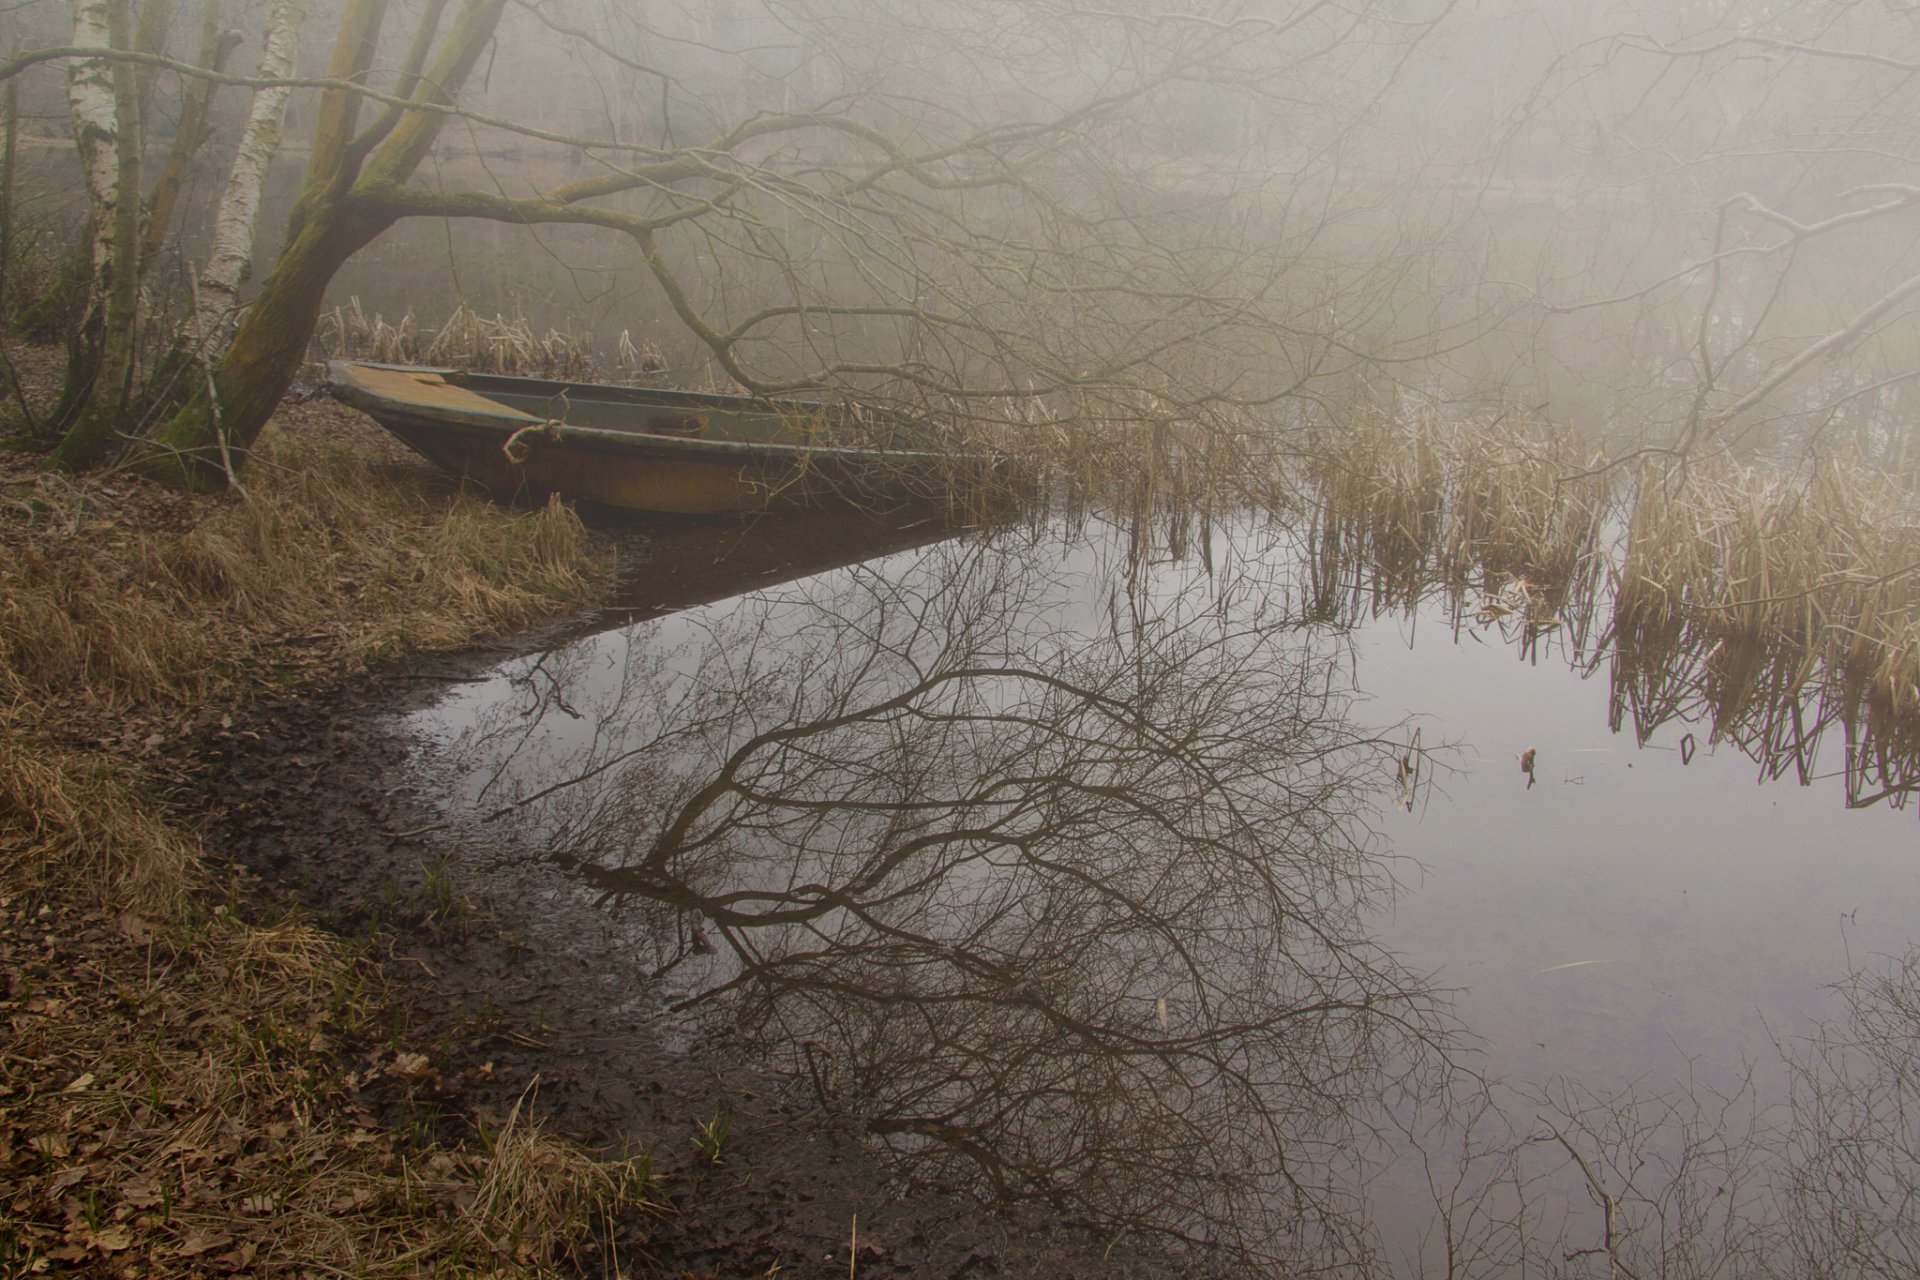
x=185, y=1103
x=535, y=1196
x=328, y=556
x=469, y=340
x=78, y=818
x=1419, y=499
x=1140, y=459
x=1764, y=605
x=183, y=1094
x=1828, y=565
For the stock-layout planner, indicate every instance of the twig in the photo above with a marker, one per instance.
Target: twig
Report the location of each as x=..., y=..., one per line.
x=417, y=831
x=1608, y=1205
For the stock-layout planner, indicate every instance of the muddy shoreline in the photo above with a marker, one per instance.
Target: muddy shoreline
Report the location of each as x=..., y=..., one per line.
x=507, y=979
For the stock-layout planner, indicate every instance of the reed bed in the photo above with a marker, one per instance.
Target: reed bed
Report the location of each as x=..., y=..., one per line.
x=469, y=340
x=1139, y=458
x=1767, y=607
x=1829, y=564
x=1420, y=500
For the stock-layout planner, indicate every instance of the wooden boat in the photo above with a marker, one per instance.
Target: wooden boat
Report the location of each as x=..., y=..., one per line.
x=674, y=452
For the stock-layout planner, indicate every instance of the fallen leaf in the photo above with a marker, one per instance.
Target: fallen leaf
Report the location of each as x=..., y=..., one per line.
x=112, y=1240
x=141, y=1195
x=200, y=1240
x=409, y=1066
x=241, y=1257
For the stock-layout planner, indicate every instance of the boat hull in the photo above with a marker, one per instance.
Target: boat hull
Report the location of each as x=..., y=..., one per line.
x=645, y=451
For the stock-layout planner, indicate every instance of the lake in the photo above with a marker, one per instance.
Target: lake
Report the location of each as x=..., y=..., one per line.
x=1204, y=895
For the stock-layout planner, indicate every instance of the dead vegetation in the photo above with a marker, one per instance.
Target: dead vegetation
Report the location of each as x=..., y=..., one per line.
x=1765, y=604
x=468, y=340
x=195, y=1099
x=183, y=1093
x=1828, y=564
x=326, y=560
x=1507, y=504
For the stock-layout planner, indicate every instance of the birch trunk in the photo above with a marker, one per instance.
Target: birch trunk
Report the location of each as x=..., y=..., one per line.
x=103, y=97
x=96, y=131
x=349, y=198
x=231, y=257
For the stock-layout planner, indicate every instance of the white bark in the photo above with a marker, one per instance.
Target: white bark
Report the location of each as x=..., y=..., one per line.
x=96, y=129
x=231, y=257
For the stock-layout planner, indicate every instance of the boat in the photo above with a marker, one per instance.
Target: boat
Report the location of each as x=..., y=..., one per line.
x=646, y=450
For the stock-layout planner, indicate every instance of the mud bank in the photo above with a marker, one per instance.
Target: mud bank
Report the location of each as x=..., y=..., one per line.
x=509, y=982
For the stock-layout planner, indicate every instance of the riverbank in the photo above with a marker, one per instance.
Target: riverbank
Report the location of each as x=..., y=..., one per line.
x=265, y=1017
x=195, y=1079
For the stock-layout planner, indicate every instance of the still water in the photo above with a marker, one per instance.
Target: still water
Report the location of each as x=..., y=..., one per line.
x=1178, y=891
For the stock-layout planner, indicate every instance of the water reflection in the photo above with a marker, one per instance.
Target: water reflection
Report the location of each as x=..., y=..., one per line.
x=1051, y=859
x=1064, y=900
x=1775, y=702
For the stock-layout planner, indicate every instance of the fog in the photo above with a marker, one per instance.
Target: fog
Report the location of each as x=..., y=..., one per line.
x=1672, y=224
x=1683, y=230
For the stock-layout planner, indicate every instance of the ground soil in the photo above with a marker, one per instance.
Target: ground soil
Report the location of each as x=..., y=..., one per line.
x=510, y=981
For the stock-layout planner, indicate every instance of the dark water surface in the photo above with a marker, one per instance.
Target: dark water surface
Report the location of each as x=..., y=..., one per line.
x=1124, y=884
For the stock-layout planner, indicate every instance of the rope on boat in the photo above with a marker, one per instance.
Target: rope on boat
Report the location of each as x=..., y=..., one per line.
x=517, y=449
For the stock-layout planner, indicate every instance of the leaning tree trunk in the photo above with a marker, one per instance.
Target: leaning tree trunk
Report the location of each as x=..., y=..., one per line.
x=104, y=98
x=355, y=189
x=203, y=443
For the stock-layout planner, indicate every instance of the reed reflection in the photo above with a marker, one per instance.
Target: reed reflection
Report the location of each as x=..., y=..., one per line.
x=1527, y=551
x=1065, y=904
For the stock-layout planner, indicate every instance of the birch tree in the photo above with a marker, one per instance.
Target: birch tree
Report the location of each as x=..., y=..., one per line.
x=978, y=209
x=102, y=94
x=230, y=258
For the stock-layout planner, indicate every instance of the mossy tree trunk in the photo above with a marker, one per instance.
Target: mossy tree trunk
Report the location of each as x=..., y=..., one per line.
x=9, y=142
x=354, y=190
x=202, y=444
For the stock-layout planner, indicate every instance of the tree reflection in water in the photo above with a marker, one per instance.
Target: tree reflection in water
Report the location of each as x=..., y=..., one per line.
x=1064, y=909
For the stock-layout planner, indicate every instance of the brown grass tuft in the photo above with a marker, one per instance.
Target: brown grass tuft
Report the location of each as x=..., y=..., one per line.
x=180, y=1093
x=79, y=818
x=190, y=1105
x=330, y=546
x=536, y=1198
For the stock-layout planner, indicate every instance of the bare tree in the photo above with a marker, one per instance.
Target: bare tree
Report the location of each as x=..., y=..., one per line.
x=998, y=211
x=1736, y=208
